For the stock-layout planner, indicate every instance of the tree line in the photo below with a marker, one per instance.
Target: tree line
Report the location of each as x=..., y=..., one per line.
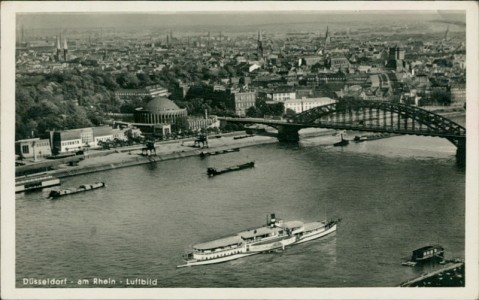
x=73, y=99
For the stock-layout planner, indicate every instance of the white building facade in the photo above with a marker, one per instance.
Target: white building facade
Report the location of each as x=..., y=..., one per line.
x=301, y=105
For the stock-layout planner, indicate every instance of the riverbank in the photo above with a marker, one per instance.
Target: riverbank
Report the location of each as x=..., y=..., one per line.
x=449, y=276
x=103, y=160
x=127, y=157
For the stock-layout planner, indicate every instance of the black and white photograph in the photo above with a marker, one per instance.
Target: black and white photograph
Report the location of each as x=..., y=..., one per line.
x=239, y=150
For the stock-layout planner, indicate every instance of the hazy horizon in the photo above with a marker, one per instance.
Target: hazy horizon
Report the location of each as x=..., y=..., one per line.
x=226, y=18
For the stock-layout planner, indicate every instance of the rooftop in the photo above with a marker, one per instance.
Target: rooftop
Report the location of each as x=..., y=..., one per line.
x=161, y=104
x=230, y=240
x=259, y=231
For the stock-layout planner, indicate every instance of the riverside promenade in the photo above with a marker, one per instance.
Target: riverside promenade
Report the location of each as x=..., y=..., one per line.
x=97, y=161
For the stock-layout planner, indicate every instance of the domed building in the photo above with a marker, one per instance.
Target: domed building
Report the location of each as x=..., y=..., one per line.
x=159, y=110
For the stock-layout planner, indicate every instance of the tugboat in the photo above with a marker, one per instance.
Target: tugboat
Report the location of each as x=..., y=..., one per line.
x=275, y=235
x=80, y=189
x=424, y=254
x=341, y=143
x=213, y=172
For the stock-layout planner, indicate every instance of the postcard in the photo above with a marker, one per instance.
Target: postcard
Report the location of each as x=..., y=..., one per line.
x=239, y=150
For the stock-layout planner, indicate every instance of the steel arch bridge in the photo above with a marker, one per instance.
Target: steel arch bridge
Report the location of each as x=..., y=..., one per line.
x=378, y=116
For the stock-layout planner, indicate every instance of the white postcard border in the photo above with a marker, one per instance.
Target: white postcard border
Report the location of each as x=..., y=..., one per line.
x=9, y=291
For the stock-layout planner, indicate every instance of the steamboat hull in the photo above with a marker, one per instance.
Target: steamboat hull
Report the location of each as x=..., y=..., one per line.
x=216, y=260
x=317, y=235
x=315, y=231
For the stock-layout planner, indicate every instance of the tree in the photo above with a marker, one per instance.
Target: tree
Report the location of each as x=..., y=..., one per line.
x=222, y=73
x=128, y=81
x=290, y=114
x=262, y=108
x=110, y=82
x=144, y=79
x=254, y=112
x=441, y=97
x=181, y=124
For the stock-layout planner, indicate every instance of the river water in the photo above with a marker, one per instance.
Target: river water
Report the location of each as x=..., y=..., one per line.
x=394, y=195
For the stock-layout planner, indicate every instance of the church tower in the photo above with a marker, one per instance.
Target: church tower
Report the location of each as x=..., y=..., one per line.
x=260, y=45
x=327, y=39
x=59, y=50
x=65, y=49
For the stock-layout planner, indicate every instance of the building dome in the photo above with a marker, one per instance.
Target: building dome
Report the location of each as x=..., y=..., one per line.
x=160, y=104
x=159, y=110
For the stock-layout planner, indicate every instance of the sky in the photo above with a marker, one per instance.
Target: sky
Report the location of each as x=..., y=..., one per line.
x=226, y=19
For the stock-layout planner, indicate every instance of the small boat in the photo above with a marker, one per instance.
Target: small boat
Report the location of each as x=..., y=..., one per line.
x=273, y=236
x=80, y=189
x=28, y=183
x=204, y=154
x=363, y=138
x=424, y=254
x=214, y=172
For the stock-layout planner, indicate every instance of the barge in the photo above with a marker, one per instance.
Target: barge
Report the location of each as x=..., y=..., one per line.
x=28, y=183
x=80, y=189
x=364, y=138
x=204, y=154
x=275, y=234
x=213, y=171
x=239, y=137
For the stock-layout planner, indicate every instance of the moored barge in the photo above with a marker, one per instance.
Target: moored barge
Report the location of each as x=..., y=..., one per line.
x=80, y=189
x=204, y=154
x=239, y=137
x=276, y=234
x=28, y=183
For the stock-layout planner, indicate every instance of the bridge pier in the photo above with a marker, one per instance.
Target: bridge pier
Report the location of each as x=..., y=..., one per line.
x=461, y=152
x=288, y=133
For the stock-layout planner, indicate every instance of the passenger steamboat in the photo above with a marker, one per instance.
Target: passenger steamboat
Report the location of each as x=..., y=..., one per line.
x=276, y=234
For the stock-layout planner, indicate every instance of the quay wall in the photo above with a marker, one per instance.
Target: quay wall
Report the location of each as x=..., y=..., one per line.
x=136, y=159
x=451, y=276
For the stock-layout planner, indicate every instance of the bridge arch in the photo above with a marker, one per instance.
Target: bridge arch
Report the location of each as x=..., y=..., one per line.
x=379, y=116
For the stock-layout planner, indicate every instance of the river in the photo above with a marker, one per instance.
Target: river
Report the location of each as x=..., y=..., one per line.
x=394, y=195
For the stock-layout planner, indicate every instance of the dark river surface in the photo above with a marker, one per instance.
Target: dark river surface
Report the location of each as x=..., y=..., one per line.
x=394, y=195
